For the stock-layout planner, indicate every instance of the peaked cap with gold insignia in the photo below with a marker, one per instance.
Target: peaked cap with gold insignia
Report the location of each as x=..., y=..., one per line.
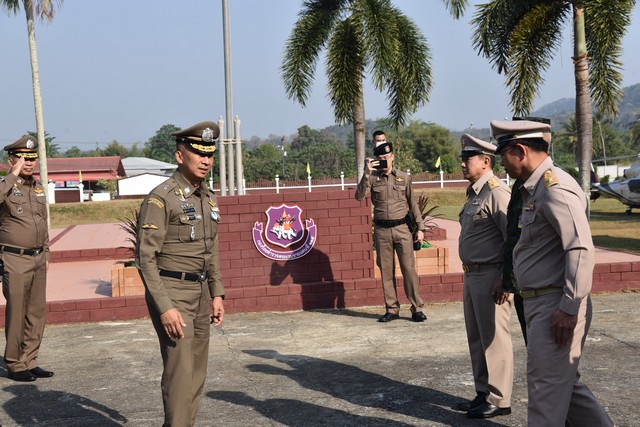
x=26, y=146
x=199, y=138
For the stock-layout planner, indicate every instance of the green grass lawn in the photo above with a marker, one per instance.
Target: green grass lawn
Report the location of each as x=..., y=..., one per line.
x=611, y=227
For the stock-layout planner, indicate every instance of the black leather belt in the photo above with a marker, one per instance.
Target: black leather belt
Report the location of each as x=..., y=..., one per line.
x=192, y=277
x=388, y=223
x=480, y=267
x=532, y=293
x=20, y=251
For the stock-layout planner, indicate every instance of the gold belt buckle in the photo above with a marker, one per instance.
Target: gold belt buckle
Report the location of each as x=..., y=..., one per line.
x=465, y=268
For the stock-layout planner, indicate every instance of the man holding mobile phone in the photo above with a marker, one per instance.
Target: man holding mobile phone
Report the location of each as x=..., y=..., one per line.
x=393, y=201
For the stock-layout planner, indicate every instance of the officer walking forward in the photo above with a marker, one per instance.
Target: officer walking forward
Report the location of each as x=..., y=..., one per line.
x=483, y=221
x=393, y=202
x=553, y=263
x=24, y=243
x=177, y=255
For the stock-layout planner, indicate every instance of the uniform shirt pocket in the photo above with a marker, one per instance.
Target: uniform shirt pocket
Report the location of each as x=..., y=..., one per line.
x=399, y=192
x=475, y=216
x=41, y=205
x=191, y=228
x=379, y=193
x=527, y=224
x=17, y=205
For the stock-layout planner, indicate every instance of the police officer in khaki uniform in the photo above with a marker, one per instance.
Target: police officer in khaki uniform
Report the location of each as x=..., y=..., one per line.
x=553, y=263
x=483, y=221
x=24, y=247
x=393, y=200
x=177, y=254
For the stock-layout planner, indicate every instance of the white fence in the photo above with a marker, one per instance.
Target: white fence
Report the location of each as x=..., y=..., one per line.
x=343, y=184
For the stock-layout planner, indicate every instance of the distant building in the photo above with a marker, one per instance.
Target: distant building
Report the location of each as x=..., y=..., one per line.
x=142, y=165
x=139, y=185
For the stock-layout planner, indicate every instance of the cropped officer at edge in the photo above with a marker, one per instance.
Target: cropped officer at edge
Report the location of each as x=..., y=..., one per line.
x=553, y=264
x=24, y=243
x=393, y=200
x=177, y=255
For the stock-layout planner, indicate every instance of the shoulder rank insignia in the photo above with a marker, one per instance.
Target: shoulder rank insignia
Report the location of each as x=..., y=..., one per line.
x=493, y=183
x=154, y=201
x=550, y=178
x=148, y=226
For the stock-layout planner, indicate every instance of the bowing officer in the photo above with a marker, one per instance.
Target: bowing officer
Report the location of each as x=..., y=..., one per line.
x=553, y=264
x=177, y=255
x=24, y=247
x=483, y=221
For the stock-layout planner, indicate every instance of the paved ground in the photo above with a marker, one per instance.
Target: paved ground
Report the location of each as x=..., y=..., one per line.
x=329, y=368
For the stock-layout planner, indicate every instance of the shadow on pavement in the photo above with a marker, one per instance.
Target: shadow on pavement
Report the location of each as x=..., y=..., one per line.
x=32, y=407
x=351, y=384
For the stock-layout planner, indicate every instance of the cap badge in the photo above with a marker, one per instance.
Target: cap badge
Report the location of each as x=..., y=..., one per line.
x=207, y=135
x=30, y=143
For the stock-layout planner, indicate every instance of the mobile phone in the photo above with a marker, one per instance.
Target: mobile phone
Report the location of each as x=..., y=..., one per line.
x=382, y=165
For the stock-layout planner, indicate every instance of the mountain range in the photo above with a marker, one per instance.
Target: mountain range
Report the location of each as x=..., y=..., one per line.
x=563, y=110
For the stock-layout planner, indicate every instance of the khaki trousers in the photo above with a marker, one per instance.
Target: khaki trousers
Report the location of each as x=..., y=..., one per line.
x=400, y=240
x=489, y=337
x=24, y=287
x=556, y=393
x=184, y=360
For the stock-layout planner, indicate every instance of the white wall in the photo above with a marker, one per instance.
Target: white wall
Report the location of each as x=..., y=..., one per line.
x=139, y=185
x=612, y=170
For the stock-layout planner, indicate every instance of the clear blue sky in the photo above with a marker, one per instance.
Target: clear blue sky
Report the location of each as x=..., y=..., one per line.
x=119, y=70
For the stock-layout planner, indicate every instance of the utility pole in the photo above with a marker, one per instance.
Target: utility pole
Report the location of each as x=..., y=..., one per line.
x=227, y=92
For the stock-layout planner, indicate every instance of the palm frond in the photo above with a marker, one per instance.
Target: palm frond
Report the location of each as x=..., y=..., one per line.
x=411, y=82
x=533, y=41
x=345, y=65
x=606, y=23
x=46, y=9
x=307, y=39
x=11, y=7
x=456, y=7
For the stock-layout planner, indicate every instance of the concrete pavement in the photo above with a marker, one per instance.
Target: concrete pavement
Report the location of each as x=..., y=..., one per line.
x=313, y=368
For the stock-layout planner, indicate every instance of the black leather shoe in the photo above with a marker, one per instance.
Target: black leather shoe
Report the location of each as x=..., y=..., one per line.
x=487, y=410
x=388, y=317
x=41, y=373
x=470, y=404
x=418, y=316
x=22, y=376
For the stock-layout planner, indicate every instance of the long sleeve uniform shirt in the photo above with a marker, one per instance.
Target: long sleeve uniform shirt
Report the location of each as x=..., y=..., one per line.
x=555, y=247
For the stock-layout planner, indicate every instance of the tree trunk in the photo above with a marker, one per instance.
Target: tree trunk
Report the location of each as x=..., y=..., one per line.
x=359, y=131
x=37, y=101
x=584, y=110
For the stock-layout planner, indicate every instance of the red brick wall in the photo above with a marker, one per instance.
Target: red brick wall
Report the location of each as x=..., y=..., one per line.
x=337, y=272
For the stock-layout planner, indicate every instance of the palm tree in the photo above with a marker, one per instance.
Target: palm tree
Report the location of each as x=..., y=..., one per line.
x=361, y=36
x=45, y=10
x=635, y=130
x=521, y=37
